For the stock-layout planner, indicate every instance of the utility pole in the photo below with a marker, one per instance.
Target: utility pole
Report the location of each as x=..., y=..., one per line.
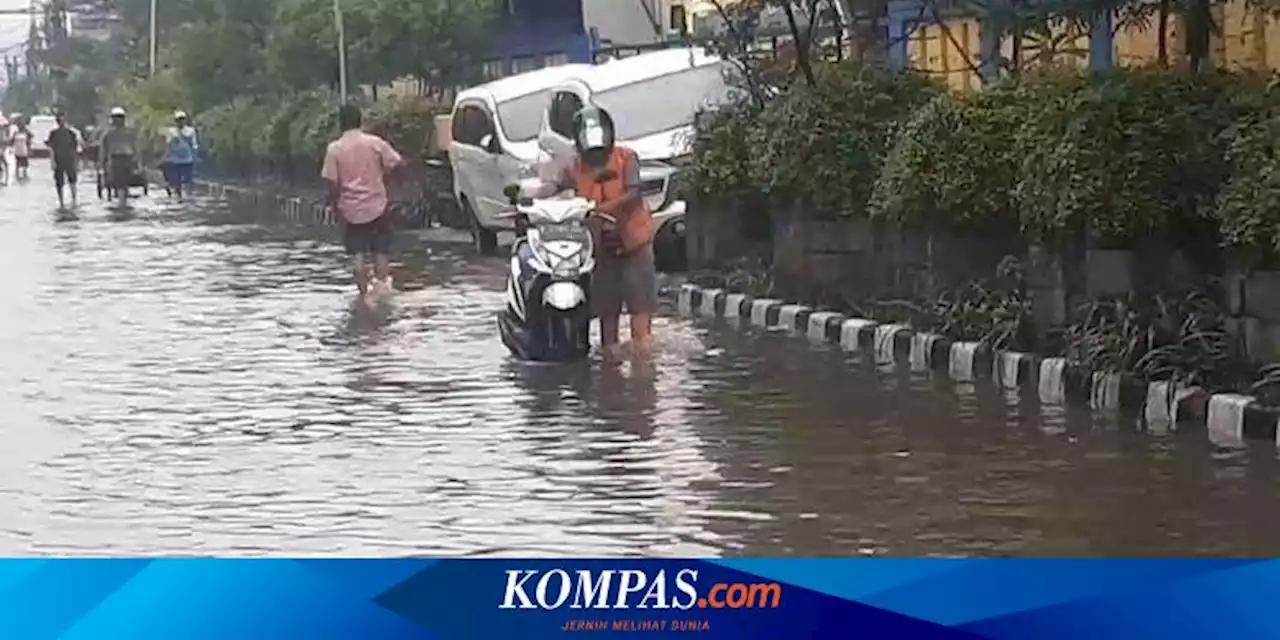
x=33, y=38
x=342, y=50
x=153, y=37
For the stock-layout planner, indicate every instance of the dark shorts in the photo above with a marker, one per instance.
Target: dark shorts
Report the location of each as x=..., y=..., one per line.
x=64, y=173
x=629, y=282
x=23, y=162
x=179, y=173
x=369, y=237
x=120, y=172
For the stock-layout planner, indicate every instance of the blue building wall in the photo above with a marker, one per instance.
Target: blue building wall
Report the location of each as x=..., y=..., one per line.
x=538, y=33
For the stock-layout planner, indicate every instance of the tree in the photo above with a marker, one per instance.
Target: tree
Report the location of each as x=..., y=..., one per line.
x=224, y=53
x=303, y=52
x=438, y=42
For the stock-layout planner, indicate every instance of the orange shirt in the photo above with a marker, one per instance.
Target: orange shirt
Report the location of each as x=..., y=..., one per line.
x=635, y=227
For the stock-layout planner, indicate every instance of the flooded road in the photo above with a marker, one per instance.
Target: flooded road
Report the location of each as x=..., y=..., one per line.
x=186, y=382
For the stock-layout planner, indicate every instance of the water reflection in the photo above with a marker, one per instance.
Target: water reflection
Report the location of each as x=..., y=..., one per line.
x=187, y=382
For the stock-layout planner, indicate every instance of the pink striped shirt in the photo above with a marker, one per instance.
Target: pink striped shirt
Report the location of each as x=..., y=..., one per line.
x=358, y=163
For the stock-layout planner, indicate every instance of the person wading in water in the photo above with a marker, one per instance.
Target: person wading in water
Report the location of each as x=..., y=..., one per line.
x=22, y=139
x=64, y=149
x=626, y=274
x=180, y=154
x=118, y=156
x=356, y=168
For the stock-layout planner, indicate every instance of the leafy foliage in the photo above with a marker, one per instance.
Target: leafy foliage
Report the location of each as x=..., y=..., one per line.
x=822, y=144
x=952, y=164
x=995, y=314
x=1121, y=155
x=1183, y=341
x=722, y=150
x=1248, y=207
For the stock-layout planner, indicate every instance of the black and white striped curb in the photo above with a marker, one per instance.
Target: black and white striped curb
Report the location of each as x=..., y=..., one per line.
x=292, y=209
x=1228, y=418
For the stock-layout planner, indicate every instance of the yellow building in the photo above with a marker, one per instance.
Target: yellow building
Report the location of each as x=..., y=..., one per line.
x=1248, y=40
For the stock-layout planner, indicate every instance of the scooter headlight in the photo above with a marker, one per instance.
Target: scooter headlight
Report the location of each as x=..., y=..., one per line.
x=565, y=251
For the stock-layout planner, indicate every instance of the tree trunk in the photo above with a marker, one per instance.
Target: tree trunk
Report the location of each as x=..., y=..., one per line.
x=1199, y=25
x=802, y=48
x=1162, y=37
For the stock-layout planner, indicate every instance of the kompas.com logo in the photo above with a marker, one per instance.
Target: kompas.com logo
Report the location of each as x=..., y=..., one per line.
x=631, y=589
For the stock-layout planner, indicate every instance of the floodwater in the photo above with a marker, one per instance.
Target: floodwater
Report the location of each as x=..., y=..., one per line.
x=187, y=382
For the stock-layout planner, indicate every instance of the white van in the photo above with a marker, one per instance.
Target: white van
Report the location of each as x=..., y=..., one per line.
x=494, y=143
x=653, y=99
x=41, y=127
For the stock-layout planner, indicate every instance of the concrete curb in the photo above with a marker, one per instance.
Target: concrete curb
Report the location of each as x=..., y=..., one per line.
x=1229, y=419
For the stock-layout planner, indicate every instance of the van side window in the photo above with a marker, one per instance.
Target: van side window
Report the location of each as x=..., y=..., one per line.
x=564, y=106
x=470, y=125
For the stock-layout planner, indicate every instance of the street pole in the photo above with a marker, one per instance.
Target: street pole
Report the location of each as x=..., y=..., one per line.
x=342, y=50
x=153, y=37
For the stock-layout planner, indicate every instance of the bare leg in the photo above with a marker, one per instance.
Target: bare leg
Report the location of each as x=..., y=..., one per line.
x=641, y=330
x=382, y=268
x=609, y=336
x=361, y=274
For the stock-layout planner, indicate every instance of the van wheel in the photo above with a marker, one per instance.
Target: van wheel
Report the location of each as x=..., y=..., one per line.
x=485, y=241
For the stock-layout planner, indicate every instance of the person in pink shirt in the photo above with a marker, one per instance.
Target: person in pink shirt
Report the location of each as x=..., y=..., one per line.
x=356, y=168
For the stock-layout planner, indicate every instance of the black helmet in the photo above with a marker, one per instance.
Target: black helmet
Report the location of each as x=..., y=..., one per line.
x=592, y=129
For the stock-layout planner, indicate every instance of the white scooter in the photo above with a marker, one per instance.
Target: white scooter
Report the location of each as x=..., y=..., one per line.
x=548, y=312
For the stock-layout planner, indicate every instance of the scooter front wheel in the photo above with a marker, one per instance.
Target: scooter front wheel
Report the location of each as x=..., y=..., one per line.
x=568, y=338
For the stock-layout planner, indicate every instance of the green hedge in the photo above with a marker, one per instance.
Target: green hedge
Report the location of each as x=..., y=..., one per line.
x=288, y=135
x=282, y=136
x=1120, y=155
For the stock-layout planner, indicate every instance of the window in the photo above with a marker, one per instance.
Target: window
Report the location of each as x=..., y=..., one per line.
x=667, y=102
x=556, y=59
x=493, y=69
x=522, y=117
x=527, y=63
x=560, y=115
x=678, y=21
x=471, y=124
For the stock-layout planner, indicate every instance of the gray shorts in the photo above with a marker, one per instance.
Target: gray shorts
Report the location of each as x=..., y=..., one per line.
x=629, y=282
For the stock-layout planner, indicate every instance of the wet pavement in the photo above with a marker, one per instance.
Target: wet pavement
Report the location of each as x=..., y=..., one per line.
x=184, y=381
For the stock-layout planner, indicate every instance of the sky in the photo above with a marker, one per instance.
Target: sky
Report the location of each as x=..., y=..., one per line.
x=13, y=28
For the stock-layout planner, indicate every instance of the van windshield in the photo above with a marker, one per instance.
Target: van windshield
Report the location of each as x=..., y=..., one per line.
x=667, y=102
x=520, y=118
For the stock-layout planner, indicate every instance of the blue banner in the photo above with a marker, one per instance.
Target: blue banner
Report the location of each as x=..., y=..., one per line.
x=194, y=599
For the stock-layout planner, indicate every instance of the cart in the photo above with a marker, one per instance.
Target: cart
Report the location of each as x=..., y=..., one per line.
x=106, y=191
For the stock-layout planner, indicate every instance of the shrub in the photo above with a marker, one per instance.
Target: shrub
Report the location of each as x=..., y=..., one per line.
x=1124, y=154
x=822, y=145
x=288, y=134
x=408, y=123
x=952, y=164
x=1248, y=207
x=722, y=154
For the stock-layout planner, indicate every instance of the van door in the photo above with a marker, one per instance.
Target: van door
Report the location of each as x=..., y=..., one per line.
x=557, y=135
x=477, y=172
